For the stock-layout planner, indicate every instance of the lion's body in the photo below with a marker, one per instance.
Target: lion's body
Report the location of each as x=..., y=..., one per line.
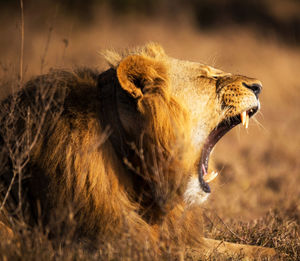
x=121, y=158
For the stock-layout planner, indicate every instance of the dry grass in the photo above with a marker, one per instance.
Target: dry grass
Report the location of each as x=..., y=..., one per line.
x=256, y=199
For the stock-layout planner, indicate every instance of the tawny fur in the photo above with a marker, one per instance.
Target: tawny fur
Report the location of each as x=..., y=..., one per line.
x=166, y=108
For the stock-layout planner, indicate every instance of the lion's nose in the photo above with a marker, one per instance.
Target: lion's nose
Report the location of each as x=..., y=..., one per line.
x=255, y=87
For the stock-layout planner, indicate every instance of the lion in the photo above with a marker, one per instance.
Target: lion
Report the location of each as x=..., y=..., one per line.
x=127, y=149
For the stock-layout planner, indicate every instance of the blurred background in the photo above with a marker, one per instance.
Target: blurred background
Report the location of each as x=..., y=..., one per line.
x=259, y=167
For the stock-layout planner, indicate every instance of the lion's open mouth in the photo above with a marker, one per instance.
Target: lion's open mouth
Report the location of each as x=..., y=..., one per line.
x=212, y=139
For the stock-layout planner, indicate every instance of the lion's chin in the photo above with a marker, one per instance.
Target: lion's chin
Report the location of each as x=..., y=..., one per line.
x=194, y=195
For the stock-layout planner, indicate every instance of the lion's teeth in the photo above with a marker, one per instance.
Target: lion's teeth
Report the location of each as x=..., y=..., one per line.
x=247, y=121
x=210, y=176
x=243, y=117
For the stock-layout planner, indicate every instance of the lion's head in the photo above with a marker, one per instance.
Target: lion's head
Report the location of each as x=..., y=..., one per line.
x=197, y=106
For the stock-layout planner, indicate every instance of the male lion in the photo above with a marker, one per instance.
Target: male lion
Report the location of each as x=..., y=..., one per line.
x=126, y=149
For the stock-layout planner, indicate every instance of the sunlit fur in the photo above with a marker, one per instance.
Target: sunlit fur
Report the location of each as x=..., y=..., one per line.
x=75, y=165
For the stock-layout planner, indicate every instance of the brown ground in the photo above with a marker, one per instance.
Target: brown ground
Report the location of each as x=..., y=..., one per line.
x=256, y=197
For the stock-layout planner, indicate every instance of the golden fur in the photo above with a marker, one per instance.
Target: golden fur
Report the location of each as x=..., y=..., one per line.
x=165, y=109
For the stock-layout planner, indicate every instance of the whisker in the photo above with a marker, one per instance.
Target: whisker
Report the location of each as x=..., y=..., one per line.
x=260, y=124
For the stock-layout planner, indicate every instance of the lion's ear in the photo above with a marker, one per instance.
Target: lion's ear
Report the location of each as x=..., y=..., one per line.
x=138, y=74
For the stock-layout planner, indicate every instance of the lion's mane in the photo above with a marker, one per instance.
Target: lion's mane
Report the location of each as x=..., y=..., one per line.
x=113, y=150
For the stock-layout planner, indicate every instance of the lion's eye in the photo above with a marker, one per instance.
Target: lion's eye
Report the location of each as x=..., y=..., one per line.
x=215, y=77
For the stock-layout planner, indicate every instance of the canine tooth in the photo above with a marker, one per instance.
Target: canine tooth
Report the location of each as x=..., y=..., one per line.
x=247, y=121
x=243, y=117
x=210, y=176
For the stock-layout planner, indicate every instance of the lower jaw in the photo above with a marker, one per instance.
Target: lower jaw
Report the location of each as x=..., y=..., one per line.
x=211, y=141
x=217, y=133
